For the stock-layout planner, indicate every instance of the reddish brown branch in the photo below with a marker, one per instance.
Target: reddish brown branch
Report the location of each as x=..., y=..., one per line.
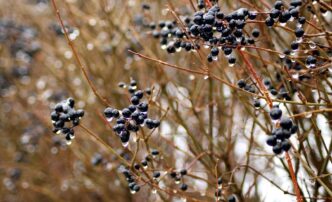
x=209, y=4
x=259, y=81
x=291, y=171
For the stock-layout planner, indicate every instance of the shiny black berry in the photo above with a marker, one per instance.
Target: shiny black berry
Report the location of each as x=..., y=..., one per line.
x=231, y=198
x=183, y=187
x=156, y=174
x=183, y=172
x=275, y=113
x=277, y=149
x=271, y=140
x=134, y=100
x=241, y=83
x=285, y=145
x=299, y=32
x=286, y=123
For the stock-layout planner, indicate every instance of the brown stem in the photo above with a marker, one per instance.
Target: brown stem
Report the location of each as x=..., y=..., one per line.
x=209, y=4
x=291, y=171
x=77, y=58
x=256, y=77
x=223, y=81
x=98, y=139
x=311, y=112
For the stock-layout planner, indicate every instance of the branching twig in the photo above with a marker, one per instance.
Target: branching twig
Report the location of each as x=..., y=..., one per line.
x=77, y=58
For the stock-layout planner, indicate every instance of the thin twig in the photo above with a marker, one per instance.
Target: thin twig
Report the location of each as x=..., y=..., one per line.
x=77, y=58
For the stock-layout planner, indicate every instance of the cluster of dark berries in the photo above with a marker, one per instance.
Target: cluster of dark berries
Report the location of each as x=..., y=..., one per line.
x=216, y=30
x=279, y=139
x=65, y=118
x=145, y=163
x=279, y=13
x=245, y=86
x=221, y=32
x=177, y=176
x=281, y=93
x=218, y=193
x=133, y=186
x=132, y=117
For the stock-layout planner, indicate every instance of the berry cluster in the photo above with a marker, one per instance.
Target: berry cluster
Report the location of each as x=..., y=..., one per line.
x=280, y=14
x=212, y=26
x=281, y=93
x=65, y=118
x=177, y=176
x=247, y=87
x=279, y=138
x=133, y=186
x=132, y=117
x=221, y=32
x=145, y=163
